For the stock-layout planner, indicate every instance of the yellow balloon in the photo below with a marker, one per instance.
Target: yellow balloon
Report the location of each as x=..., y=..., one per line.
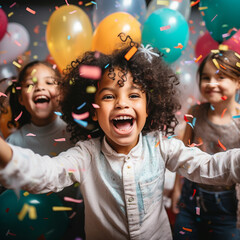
x=68, y=34
x=105, y=36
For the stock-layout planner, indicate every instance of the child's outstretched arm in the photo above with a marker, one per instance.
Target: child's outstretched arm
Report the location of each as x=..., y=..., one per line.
x=5, y=153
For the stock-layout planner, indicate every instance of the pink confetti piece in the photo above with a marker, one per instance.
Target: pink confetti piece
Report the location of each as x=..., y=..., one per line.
x=72, y=12
x=66, y=2
x=12, y=5
x=165, y=27
x=72, y=215
x=198, y=210
x=18, y=43
x=213, y=18
x=31, y=135
x=91, y=72
x=60, y=139
x=16, y=119
x=71, y=170
x=30, y=10
x=95, y=105
x=3, y=94
x=68, y=199
x=80, y=116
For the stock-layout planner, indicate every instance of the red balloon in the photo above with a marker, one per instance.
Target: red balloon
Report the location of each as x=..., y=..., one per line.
x=233, y=43
x=204, y=45
x=4, y=22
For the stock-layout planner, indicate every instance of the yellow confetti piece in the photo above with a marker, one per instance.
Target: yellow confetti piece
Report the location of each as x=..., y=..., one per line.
x=35, y=44
x=216, y=63
x=238, y=64
x=16, y=64
x=237, y=55
x=34, y=79
x=32, y=212
x=23, y=212
x=29, y=88
x=91, y=89
x=25, y=194
x=163, y=2
x=202, y=8
x=56, y=208
x=223, y=47
x=35, y=57
x=215, y=51
x=10, y=14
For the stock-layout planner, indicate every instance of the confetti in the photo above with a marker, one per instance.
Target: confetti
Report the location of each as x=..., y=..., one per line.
x=202, y=8
x=236, y=116
x=58, y=113
x=198, y=58
x=165, y=28
x=80, y=116
x=30, y=10
x=80, y=122
x=60, y=139
x=3, y=94
x=91, y=89
x=187, y=229
x=169, y=137
x=194, y=3
x=236, y=54
x=18, y=116
x=194, y=192
x=238, y=64
x=221, y=145
x=81, y=106
x=223, y=112
x=30, y=88
x=30, y=135
x=95, y=105
x=16, y=64
x=57, y=208
x=157, y=143
x=216, y=63
x=12, y=5
x=91, y=72
x=106, y=65
x=163, y=2
x=31, y=210
x=17, y=43
x=68, y=199
x=214, y=18
x=10, y=14
x=198, y=210
x=130, y=53
x=179, y=46
x=224, y=98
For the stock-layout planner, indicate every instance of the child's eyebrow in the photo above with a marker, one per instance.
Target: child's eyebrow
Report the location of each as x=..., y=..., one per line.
x=113, y=89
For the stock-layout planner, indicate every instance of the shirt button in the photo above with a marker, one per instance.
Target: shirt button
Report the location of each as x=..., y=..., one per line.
x=131, y=199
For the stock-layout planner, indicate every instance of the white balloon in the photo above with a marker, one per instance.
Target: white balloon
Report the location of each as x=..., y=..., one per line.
x=14, y=43
x=183, y=7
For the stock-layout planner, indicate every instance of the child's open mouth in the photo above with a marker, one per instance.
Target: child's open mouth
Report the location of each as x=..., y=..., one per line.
x=41, y=100
x=123, y=123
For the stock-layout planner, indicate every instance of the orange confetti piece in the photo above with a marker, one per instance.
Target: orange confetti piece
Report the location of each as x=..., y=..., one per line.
x=36, y=29
x=179, y=46
x=221, y=145
x=224, y=98
x=30, y=10
x=222, y=66
x=196, y=60
x=223, y=112
x=130, y=53
x=157, y=143
x=187, y=229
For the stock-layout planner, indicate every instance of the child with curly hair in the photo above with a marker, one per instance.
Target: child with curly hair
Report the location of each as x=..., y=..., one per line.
x=123, y=123
x=211, y=211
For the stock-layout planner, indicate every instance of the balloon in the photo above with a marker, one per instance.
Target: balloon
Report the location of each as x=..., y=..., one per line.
x=181, y=6
x=233, y=43
x=68, y=34
x=106, y=7
x=220, y=16
x=204, y=45
x=4, y=23
x=14, y=43
x=49, y=224
x=105, y=36
x=167, y=30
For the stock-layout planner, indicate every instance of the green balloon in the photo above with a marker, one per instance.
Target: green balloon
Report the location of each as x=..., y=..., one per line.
x=220, y=16
x=49, y=224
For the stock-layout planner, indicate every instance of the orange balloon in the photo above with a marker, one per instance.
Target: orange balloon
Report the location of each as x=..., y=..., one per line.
x=105, y=36
x=68, y=34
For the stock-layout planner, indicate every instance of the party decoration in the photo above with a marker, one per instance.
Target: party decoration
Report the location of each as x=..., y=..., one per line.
x=181, y=6
x=4, y=23
x=220, y=17
x=167, y=30
x=204, y=45
x=14, y=43
x=68, y=34
x=106, y=35
x=106, y=7
x=233, y=43
x=31, y=216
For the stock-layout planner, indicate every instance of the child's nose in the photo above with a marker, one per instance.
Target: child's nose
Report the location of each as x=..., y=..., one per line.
x=39, y=86
x=122, y=103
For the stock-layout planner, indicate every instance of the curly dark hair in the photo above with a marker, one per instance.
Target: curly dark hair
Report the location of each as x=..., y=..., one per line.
x=154, y=76
x=13, y=92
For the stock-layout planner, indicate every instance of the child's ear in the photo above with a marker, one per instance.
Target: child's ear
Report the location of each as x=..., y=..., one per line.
x=94, y=116
x=20, y=100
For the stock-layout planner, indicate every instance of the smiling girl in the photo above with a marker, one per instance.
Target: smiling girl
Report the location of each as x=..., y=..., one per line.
x=121, y=166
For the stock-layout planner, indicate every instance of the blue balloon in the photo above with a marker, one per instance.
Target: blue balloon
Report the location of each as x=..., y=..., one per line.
x=49, y=224
x=167, y=30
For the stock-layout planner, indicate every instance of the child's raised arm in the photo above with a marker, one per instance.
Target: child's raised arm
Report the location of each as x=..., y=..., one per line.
x=5, y=153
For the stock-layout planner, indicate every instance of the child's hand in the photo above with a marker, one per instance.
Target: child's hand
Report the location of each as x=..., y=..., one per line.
x=5, y=153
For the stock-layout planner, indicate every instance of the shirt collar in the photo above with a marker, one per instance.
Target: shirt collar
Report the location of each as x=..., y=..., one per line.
x=135, y=152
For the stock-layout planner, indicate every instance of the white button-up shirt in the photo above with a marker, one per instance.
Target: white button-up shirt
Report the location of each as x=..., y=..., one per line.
x=122, y=193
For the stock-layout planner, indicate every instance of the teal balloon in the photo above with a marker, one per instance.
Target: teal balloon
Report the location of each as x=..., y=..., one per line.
x=49, y=224
x=167, y=30
x=220, y=16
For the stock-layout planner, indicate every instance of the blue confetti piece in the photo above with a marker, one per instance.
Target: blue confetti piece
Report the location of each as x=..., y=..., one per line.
x=68, y=37
x=190, y=124
x=194, y=121
x=58, y=113
x=82, y=123
x=94, y=3
x=106, y=65
x=211, y=106
x=81, y=106
x=169, y=137
x=236, y=116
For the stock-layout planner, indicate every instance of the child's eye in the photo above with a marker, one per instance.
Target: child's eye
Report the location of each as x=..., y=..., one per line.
x=107, y=97
x=134, y=96
x=205, y=79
